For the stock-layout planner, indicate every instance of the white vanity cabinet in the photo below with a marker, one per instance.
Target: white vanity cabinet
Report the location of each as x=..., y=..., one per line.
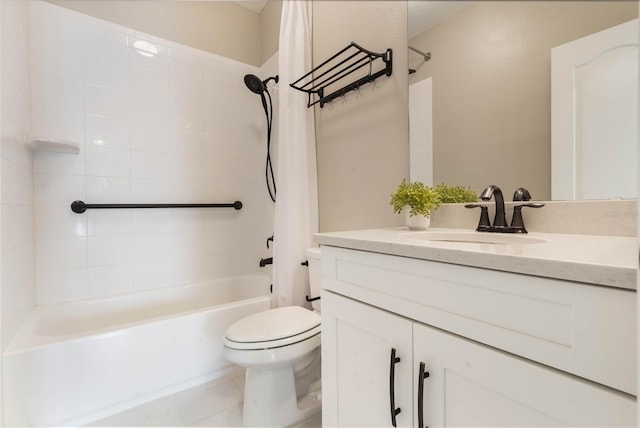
x=501, y=349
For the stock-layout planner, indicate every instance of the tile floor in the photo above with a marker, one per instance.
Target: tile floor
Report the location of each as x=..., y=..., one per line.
x=213, y=404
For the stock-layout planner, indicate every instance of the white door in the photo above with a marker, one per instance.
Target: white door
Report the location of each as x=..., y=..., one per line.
x=357, y=345
x=474, y=385
x=594, y=109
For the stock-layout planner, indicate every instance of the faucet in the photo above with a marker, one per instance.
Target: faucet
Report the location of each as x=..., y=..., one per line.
x=500, y=220
x=267, y=261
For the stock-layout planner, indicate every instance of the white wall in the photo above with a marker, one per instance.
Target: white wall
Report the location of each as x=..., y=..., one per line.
x=362, y=139
x=177, y=127
x=18, y=290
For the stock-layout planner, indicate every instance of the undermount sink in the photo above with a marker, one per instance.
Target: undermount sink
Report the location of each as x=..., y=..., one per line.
x=474, y=238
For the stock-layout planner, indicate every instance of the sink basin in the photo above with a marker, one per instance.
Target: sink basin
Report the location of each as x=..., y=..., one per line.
x=475, y=238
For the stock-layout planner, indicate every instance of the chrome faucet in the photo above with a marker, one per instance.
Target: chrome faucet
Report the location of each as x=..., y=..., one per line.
x=500, y=220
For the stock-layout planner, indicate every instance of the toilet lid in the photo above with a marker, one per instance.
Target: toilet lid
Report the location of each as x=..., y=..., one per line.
x=273, y=328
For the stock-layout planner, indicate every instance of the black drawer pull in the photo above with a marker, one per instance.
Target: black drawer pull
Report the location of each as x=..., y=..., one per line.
x=422, y=375
x=392, y=386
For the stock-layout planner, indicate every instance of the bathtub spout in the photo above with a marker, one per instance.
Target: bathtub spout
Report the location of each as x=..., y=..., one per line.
x=267, y=261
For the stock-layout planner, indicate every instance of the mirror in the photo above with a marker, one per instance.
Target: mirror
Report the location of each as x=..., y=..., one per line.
x=487, y=87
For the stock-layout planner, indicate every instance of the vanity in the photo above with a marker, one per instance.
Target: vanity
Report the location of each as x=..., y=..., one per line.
x=461, y=328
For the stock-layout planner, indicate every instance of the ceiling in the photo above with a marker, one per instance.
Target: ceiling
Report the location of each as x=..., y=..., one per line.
x=423, y=14
x=426, y=14
x=254, y=5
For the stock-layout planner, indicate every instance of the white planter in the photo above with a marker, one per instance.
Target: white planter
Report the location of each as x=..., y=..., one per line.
x=416, y=222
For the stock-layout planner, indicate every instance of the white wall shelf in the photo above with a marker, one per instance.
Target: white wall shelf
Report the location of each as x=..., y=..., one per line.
x=55, y=146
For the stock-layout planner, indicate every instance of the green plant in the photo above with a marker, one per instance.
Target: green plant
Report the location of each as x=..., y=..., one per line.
x=455, y=194
x=419, y=198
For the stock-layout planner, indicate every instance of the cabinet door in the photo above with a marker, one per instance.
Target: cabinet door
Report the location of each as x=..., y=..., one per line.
x=357, y=345
x=474, y=385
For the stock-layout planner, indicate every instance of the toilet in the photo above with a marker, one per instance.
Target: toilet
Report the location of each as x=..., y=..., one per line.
x=280, y=349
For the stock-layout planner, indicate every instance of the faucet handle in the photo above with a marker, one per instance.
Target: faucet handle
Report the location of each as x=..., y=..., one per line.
x=517, y=223
x=484, y=223
x=521, y=194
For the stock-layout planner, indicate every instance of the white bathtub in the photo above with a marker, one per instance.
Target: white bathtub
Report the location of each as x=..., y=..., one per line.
x=79, y=361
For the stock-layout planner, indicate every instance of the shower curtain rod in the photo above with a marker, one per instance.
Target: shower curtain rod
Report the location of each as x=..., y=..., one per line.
x=427, y=56
x=79, y=206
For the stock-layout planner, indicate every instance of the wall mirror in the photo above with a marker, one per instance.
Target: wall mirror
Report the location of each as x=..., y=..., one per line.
x=480, y=107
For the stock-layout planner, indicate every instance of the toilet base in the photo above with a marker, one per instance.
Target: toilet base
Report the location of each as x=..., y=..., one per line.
x=270, y=398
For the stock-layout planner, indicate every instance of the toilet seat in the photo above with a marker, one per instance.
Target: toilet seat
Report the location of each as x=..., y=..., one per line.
x=274, y=328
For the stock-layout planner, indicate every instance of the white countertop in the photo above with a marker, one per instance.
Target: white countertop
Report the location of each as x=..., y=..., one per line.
x=602, y=260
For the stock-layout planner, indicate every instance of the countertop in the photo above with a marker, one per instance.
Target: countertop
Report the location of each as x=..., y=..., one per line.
x=602, y=260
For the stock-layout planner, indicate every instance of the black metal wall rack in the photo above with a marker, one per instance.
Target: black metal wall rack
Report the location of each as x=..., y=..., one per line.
x=346, y=62
x=79, y=206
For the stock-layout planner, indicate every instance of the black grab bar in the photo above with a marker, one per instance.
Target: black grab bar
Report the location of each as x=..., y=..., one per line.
x=79, y=206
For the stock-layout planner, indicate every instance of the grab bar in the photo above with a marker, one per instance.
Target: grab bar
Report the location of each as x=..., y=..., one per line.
x=79, y=206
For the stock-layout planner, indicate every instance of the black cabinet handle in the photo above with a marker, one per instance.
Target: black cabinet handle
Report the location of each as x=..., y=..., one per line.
x=392, y=386
x=422, y=375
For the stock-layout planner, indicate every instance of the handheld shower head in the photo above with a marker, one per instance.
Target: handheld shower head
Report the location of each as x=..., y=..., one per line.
x=256, y=85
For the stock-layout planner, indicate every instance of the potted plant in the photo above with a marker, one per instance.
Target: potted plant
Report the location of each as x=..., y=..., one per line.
x=417, y=201
x=455, y=194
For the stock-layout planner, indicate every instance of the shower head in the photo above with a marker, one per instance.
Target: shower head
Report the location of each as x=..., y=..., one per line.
x=256, y=85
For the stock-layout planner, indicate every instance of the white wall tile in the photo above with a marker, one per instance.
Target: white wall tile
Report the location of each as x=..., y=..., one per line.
x=59, y=124
x=152, y=222
x=187, y=116
x=188, y=142
x=109, y=280
x=58, y=221
x=62, y=285
x=152, y=247
x=59, y=163
x=49, y=90
x=18, y=266
x=109, y=222
x=57, y=59
x=17, y=183
x=61, y=253
x=152, y=191
x=104, y=101
x=107, y=132
x=108, y=162
x=109, y=250
x=177, y=126
x=108, y=190
x=148, y=53
x=105, y=71
x=151, y=164
x=105, y=42
x=17, y=258
x=188, y=270
x=152, y=274
x=16, y=306
x=54, y=25
x=58, y=189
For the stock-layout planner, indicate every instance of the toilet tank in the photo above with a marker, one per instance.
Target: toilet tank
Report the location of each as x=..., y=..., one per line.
x=313, y=257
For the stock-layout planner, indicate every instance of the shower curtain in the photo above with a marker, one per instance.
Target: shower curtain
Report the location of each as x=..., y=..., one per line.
x=296, y=209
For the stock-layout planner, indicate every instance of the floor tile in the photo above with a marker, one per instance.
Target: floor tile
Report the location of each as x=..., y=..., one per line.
x=161, y=412
x=197, y=403
x=231, y=417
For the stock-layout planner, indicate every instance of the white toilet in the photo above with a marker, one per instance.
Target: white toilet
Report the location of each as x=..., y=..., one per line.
x=280, y=349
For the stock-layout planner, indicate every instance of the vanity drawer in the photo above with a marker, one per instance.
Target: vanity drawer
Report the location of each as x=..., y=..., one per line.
x=579, y=328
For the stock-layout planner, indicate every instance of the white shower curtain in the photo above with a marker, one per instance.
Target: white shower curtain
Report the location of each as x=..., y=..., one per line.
x=296, y=210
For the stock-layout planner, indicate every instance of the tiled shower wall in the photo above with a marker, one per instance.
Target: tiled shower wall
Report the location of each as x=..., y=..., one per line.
x=18, y=289
x=157, y=122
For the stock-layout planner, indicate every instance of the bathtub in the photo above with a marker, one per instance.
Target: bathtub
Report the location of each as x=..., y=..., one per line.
x=76, y=362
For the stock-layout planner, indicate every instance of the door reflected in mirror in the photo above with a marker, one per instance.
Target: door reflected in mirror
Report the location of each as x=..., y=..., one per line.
x=490, y=71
